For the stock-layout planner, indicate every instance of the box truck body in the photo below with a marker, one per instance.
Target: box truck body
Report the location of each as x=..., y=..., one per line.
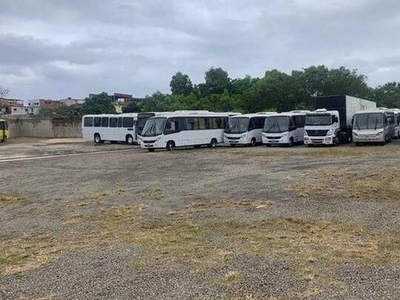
x=342, y=109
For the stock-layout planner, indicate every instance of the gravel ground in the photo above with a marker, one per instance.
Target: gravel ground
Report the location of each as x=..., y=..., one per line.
x=114, y=221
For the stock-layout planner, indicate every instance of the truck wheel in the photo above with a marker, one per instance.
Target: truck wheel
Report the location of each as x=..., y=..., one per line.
x=336, y=141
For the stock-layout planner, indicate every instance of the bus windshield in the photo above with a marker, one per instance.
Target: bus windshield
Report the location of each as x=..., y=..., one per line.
x=313, y=120
x=276, y=124
x=237, y=125
x=154, y=127
x=368, y=121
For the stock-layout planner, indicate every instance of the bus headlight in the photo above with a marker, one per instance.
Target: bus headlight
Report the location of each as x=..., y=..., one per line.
x=330, y=132
x=157, y=139
x=355, y=134
x=379, y=133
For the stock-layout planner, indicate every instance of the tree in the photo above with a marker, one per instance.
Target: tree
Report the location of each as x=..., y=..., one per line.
x=61, y=111
x=3, y=91
x=99, y=104
x=216, y=81
x=132, y=107
x=181, y=84
x=387, y=95
x=320, y=81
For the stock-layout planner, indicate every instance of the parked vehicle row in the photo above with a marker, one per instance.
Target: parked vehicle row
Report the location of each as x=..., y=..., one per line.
x=337, y=119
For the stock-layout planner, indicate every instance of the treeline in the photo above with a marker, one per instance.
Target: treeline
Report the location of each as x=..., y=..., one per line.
x=276, y=91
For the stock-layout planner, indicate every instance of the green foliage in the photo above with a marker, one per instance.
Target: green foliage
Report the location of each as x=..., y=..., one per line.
x=388, y=95
x=99, y=104
x=132, y=107
x=181, y=84
x=276, y=91
x=61, y=111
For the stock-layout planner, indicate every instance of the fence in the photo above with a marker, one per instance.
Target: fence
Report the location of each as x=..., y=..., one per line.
x=44, y=127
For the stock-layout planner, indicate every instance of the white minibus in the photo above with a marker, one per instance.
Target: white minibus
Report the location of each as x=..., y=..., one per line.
x=371, y=126
x=244, y=129
x=183, y=129
x=285, y=128
x=111, y=127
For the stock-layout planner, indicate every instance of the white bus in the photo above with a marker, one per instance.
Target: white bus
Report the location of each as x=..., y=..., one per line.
x=113, y=128
x=183, y=129
x=244, y=129
x=119, y=128
x=393, y=119
x=372, y=126
x=284, y=128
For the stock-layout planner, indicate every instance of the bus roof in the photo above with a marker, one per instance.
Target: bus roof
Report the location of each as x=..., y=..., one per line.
x=191, y=114
x=287, y=114
x=114, y=115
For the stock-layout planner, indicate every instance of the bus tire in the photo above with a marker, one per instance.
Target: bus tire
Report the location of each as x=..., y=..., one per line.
x=213, y=143
x=151, y=150
x=129, y=139
x=291, y=143
x=170, y=145
x=253, y=142
x=97, y=139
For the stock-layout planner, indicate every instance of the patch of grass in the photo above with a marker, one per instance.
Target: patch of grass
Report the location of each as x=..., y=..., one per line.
x=154, y=194
x=231, y=278
x=323, y=152
x=373, y=184
x=10, y=199
x=226, y=203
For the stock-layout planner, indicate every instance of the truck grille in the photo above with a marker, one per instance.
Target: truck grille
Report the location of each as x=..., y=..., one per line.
x=317, y=132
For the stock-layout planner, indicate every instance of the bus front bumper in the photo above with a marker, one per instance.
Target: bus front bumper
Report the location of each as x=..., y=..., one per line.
x=319, y=140
x=275, y=140
x=369, y=138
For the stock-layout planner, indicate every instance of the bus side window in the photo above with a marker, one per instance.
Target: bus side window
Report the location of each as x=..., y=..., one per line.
x=119, y=122
x=127, y=122
x=97, y=122
x=202, y=123
x=292, y=125
x=260, y=123
x=252, y=124
x=192, y=124
x=172, y=126
x=113, y=122
x=104, y=122
x=88, y=122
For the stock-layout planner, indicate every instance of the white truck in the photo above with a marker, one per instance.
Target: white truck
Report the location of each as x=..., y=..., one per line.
x=331, y=122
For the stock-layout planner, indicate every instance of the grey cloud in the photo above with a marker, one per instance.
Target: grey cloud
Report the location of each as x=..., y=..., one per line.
x=76, y=47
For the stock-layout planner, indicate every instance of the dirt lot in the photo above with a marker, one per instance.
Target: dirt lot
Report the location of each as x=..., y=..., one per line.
x=117, y=222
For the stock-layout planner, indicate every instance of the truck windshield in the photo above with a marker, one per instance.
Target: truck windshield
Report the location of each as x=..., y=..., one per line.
x=314, y=120
x=368, y=121
x=237, y=125
x=154, y=127
x=276, y=124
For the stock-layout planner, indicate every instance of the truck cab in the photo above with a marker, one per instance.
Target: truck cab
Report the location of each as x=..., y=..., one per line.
x=322, y=127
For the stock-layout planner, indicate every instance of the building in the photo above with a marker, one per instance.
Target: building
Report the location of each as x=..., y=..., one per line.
x=8, y=105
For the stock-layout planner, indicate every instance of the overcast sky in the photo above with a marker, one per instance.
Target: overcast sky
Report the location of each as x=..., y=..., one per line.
x=61, y=48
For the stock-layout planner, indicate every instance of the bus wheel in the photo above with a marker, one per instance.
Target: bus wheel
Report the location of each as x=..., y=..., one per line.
x=129, y=139
x=170, y=145
x=151, y=150
x=213, y=143
x=97, y=139
x=253, y=142
x=291, y=143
